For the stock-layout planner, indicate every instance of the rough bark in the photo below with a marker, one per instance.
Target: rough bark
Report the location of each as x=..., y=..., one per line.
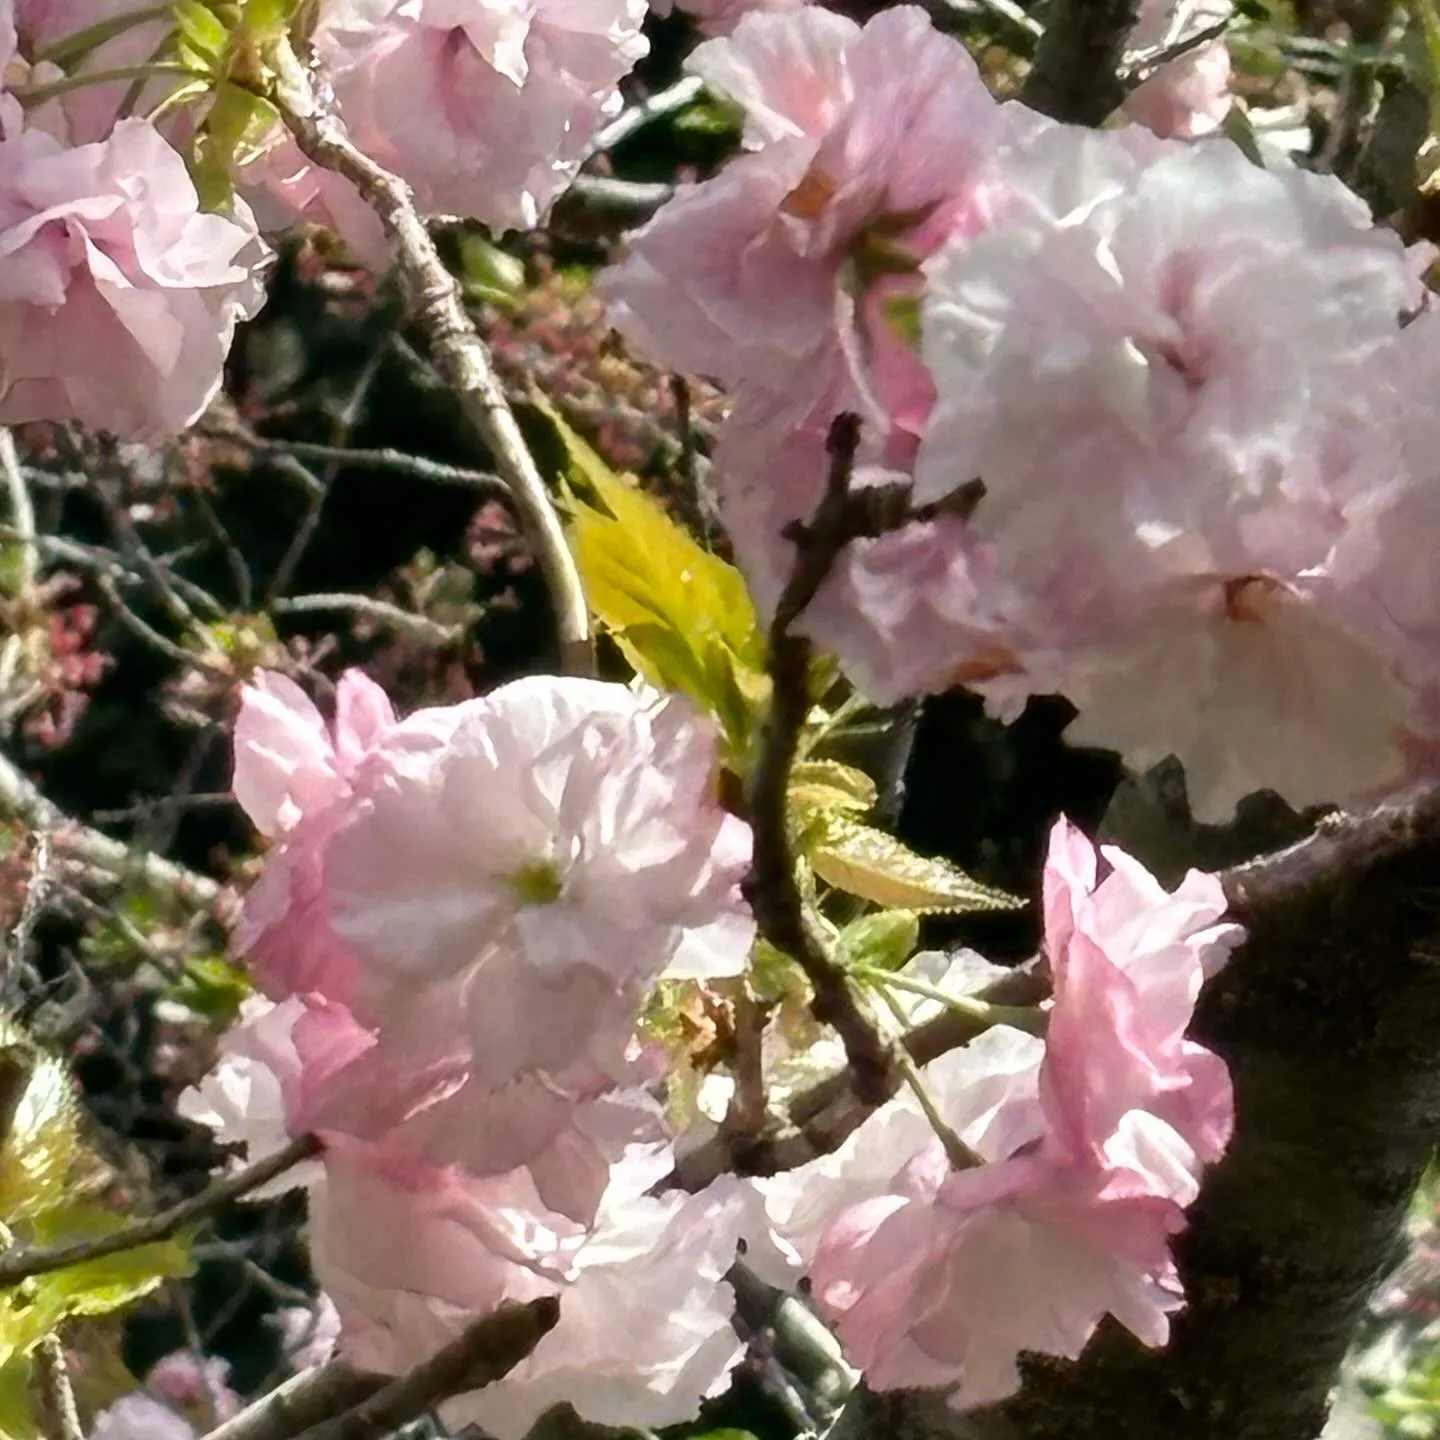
x=1329, y=1018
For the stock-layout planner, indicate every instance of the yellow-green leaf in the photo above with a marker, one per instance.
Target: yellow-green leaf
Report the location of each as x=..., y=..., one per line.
x=43, y=1142
x=681, y=615
x=201, y=37
x=821, y=786
x=864, y=861
x=884, y=940
x=17, y=1416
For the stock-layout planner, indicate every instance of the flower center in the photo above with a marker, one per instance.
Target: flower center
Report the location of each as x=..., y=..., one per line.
x=537, y=882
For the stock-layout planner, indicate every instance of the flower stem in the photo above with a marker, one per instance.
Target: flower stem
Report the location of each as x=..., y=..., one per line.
x=65, y=51
x=1020, y=1017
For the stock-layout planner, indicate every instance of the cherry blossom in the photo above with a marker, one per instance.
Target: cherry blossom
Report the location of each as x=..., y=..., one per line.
x=195, y=1385
x=485, y=107
x=645, y=1329
x=120, y=296
x=243, y=1099
x=283, y=187
x=566, y=839
x=88, y=112
x=1214, y=474
x=1189, y=96
x=138, y=1417
x=294, y=775
x=1089, y=1145
x=868, y=146
x=308, y=1333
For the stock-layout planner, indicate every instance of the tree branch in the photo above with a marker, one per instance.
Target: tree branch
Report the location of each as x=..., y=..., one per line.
x=1076, y=73
x=302, y=1402
x=486, y=1352
x=771, y=885
x=1328, y=1018
x=20, y=1265
x=21, y=800
x=459, y=353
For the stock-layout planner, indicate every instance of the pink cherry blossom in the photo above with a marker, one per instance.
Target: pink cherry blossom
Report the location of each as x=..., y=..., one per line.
x=1189, y=96
x=195, y=1385
x=568, y=828
x=244, y=1098
x=295, y=775
x=89, y=112
x=1128, y=961
x=1171, y=488
x=284, y=187
x=645, y=1329
x=308, y=1333
x=1091, y=1144
x=484, y=107
x=119, y=296
x=288, y=762
x=138, y=1417
x=720, y=17
x=866, y=143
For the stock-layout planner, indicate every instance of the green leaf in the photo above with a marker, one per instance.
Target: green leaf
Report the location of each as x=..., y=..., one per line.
x=864, y=861
x=774, y=976
x=99, y=1287
x=823, y=786
x=681, y=615
x=201, y=37
x=17, y=1417
x=489, y=272
x=233, y=127
x=709, y=115
x=211, y=987
x=884, y=940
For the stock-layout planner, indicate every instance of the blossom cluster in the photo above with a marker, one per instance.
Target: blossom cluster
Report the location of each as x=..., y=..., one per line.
x=122, y=292
x=1083, y=1152
x=1163, y=411
x=459, y=919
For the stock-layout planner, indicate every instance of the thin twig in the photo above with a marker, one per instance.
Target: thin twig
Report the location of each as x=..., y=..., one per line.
x=339, y=433
x=420, y=627
x=486, y=1352
x=21, y=800
x=22, y=511
x=302, y=1402
x=417, y=467
x=460, y=354
x=22, y=1265
x=604, y=192
x=1139, y=67
x=771, y=885
x=62, y=1415
x=654, y=107
x=820, y=1117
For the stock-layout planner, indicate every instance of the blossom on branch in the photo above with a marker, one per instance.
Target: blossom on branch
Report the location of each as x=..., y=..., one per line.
x=1089, y=1146
x=1188, y=96
x=486, y=108
x=1176, y=485
x=118, y=297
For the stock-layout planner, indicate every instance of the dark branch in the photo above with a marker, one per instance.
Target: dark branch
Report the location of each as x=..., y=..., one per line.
x=1076, y=75
x=1327, y=1017
x=21, y=1265
x=771, y=885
